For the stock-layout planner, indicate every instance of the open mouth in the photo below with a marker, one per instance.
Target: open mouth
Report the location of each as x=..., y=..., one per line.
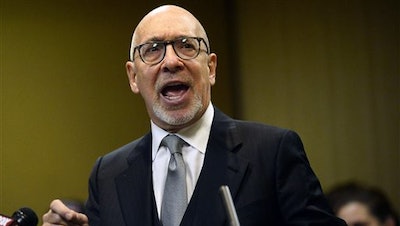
x=174, y=91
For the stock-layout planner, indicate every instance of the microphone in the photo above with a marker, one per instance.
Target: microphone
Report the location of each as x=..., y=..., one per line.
x=229, y=206
x=22, y=217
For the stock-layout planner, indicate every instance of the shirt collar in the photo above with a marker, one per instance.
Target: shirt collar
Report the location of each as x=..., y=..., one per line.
x=195, y=135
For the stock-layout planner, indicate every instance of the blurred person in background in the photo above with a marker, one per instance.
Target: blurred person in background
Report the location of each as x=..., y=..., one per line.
x=361, y=205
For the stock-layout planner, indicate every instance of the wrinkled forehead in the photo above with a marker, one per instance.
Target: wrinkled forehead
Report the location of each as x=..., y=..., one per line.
x=167, y=23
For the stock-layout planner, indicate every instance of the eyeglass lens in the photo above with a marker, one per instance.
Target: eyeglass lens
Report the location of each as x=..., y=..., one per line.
x=185, y=48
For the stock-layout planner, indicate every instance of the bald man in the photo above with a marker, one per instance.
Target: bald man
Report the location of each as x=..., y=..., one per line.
x=265, y=167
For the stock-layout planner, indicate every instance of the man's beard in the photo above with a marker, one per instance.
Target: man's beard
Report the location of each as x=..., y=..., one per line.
x=175, y=119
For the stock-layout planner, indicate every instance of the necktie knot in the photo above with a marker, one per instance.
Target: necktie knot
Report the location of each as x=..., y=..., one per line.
x=174, y=143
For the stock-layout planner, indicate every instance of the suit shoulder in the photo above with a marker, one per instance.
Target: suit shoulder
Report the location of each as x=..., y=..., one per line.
x=123, y=150
x=118, y=158
x=252, y=126
x=252, y=130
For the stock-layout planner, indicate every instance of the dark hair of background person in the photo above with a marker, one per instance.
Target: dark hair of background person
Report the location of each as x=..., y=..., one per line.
x=374, y=198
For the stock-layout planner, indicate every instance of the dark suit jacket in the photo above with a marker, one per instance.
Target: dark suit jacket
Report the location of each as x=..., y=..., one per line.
x=265, y=168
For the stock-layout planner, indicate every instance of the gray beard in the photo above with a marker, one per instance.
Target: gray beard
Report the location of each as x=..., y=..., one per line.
x=175, y=120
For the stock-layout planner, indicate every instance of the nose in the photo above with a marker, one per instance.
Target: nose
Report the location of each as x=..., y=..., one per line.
x=171, y=62
x=170, y=52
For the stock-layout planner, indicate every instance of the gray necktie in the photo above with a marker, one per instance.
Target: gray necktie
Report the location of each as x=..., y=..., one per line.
x=175, y=196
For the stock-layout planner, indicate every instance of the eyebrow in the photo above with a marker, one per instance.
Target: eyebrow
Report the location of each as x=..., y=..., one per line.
x=158, y=39
x=155, y=39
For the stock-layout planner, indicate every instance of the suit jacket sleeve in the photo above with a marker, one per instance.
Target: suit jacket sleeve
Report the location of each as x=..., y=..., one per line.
x=279, y=186
x=299, y=192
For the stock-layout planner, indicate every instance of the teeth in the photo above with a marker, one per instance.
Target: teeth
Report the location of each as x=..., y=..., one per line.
x=173, y=97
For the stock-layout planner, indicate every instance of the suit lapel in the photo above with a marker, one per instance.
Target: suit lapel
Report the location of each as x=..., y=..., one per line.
x=226, y=140
x=135, y=186
x=222, y=166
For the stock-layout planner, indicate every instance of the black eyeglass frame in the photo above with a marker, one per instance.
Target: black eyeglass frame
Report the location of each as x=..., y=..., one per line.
x=171, y=42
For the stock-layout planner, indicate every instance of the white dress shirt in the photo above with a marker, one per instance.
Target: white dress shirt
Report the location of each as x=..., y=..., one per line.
x=197, y=137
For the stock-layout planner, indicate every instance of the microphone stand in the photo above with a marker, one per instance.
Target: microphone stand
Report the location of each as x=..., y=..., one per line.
x=229, y=206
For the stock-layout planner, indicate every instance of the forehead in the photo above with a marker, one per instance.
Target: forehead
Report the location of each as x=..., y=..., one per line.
x=167, y=24
x=355, y=212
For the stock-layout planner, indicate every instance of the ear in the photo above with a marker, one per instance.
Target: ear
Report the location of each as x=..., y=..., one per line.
x=131, y=72
x=212, y=67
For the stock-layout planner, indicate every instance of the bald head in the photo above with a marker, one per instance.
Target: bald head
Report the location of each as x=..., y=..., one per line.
x=165, y=23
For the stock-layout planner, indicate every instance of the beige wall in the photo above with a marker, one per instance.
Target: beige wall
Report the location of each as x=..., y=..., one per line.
x=328, y=71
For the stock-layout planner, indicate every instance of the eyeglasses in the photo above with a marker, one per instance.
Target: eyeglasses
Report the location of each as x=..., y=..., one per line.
x=185, y=48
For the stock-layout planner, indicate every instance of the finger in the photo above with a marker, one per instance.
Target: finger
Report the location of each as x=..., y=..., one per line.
x=60, y=214
x=58, y=207
x=51, y=218
x=80, y=218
